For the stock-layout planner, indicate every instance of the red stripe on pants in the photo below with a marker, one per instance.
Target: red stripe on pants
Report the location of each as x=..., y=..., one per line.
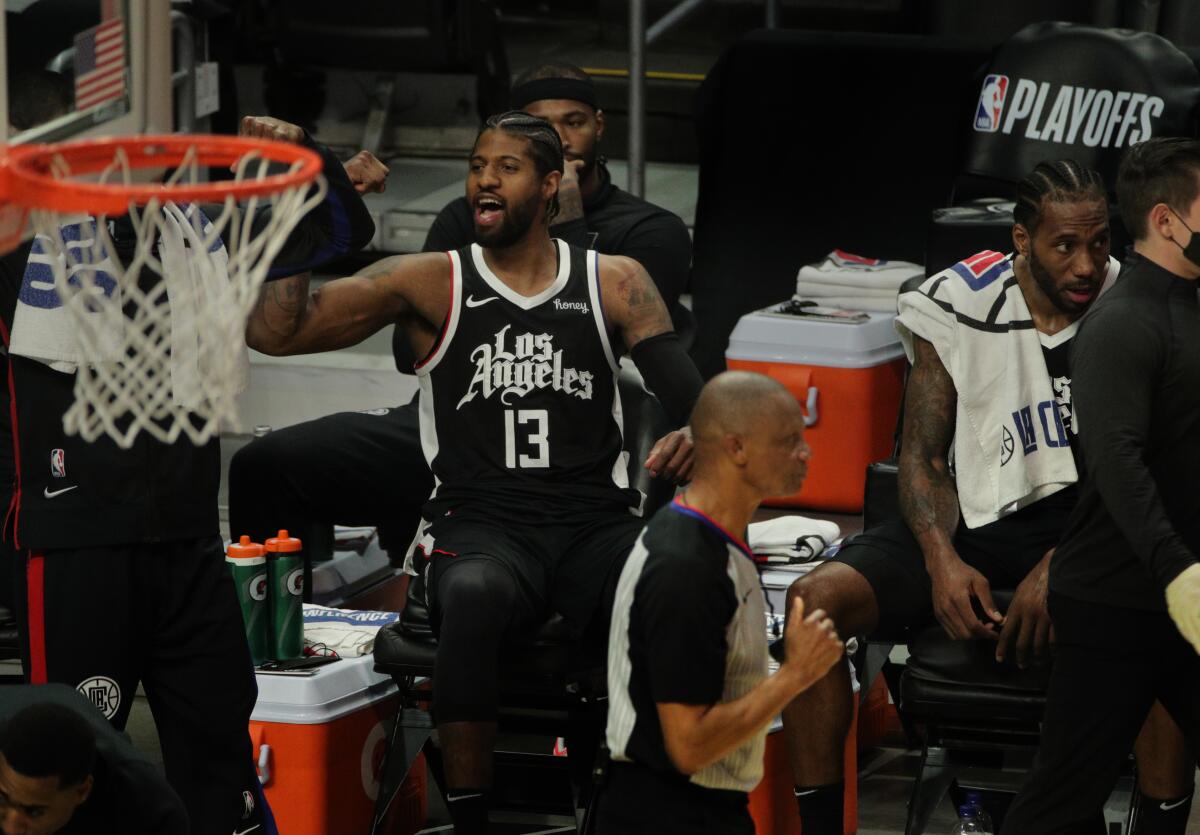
x=35, y=578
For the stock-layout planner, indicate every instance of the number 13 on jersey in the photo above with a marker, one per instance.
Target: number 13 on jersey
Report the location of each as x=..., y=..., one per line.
x=535, y=430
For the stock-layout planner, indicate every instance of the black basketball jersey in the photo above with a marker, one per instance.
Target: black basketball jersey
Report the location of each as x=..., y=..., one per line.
x=519, y=395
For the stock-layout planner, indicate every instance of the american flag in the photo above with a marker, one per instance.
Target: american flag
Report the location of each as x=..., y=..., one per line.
x=100, y=64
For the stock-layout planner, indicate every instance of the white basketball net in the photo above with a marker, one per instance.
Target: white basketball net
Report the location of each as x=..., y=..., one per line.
x=160, y=333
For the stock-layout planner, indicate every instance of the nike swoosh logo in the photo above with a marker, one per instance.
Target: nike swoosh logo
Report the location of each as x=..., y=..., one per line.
x=473, y=302
x=251, y=829
x=50, y=494
x=1166, y=807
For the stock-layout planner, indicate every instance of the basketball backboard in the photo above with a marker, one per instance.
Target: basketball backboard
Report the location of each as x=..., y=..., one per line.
x=84, y=68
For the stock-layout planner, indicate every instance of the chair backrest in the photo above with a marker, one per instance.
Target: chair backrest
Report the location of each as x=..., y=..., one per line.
x=1068, y=91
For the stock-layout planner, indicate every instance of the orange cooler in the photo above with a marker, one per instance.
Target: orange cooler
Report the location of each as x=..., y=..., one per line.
x=319, y=741
x=849, y=378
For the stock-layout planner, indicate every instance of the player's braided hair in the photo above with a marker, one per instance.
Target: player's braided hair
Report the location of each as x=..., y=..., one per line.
x=545, y=146
x=1058, y=181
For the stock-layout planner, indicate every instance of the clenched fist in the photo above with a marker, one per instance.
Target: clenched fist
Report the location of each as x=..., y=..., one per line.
x=367, y=173
x=267, y=127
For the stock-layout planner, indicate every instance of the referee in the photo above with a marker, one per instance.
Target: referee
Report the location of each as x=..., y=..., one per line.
x=1124, y=581
x=687, y=666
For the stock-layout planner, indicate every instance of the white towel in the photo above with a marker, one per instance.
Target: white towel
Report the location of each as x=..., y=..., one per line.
x=846, y=270
x=797, y=537
x=1007, y=451
x=345, y=632
x=810, y=290
x=42, y=330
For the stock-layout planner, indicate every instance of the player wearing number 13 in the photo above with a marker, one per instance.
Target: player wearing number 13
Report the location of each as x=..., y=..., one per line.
x=520, y=422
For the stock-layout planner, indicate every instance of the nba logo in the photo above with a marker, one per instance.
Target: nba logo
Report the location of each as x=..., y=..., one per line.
x=991, y=103
x=58, y=463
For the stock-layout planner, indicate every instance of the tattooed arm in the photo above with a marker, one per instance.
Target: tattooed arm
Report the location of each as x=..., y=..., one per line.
x=631, y=301
x=929, y=497
x=634, y=307
x=343, y=312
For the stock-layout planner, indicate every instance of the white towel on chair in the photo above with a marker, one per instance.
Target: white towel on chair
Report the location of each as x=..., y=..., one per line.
x=1008, y=450
x=42, y=329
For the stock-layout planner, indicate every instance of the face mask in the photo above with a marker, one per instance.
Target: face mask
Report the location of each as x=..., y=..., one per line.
x=1192, y=250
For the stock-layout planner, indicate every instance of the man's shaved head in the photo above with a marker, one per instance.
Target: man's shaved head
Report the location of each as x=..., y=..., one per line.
x=752, y=424
x=732, y=403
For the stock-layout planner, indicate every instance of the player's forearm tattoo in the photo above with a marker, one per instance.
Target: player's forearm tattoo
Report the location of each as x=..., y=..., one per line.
x=928, y=495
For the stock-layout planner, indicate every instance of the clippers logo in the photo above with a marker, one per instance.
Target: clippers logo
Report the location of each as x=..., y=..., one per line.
x=295, y=582
x=58, y=463
x=991, y=103
x=104, y=693
x=256, y=586
x=1065, y=114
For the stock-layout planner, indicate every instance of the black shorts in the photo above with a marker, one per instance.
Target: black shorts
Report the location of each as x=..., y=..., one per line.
x=1004, y=552
x=638, y=801
x=568, y=568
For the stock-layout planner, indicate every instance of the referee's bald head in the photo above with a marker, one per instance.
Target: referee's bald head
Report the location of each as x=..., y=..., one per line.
x=749, y=424
x=733, y=403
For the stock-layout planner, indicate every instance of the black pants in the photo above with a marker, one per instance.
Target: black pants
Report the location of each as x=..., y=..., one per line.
x=637, y=801
x=352, y=468
x=166, y=615
x=1110, y=665
x=490, y=581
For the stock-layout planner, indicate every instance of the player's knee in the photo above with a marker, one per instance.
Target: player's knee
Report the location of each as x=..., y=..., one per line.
x=479, y=593
x=821, y=589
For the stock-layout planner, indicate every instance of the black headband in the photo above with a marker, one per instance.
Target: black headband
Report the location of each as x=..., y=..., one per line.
x=575, y=89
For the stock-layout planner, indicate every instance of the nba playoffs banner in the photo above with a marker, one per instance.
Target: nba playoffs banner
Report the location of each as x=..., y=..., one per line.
x=1060, y=90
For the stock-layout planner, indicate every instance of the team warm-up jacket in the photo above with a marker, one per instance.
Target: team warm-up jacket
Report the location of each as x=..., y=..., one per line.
x=1136, y=380
x=69, y=493
x=614, y=222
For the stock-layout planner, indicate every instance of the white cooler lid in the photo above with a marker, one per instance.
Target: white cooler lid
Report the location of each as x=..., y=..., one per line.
x=763, y=336
x=332, y=692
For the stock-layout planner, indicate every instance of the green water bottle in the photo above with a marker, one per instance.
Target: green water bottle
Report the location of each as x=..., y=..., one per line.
x=285, y=572
x=248, y=567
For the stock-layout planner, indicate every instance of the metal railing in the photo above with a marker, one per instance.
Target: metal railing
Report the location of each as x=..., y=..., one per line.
x=639, y=38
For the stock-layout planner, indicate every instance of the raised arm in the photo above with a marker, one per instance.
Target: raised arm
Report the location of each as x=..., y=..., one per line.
x=929, y=497
x=345, y=311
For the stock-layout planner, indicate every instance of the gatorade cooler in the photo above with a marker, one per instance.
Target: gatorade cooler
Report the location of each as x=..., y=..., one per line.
x=319, y=742
x=848, y=377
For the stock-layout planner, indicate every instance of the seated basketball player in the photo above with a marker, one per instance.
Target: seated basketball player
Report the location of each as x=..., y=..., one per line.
x=957, y=539
x=367, y=468
x=520, y=421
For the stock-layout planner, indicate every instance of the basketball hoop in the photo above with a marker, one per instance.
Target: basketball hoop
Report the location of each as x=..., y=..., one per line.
x=157, y=279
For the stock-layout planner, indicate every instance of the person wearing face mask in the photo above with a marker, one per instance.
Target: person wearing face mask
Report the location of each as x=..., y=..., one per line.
x=1125, y=578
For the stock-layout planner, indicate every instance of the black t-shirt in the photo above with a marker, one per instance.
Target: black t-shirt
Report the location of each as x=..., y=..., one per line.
x=614, y=223
x=71, y=493
x=523, y=391
x=1136, y=393
x=129, y=793
x=688, y=626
